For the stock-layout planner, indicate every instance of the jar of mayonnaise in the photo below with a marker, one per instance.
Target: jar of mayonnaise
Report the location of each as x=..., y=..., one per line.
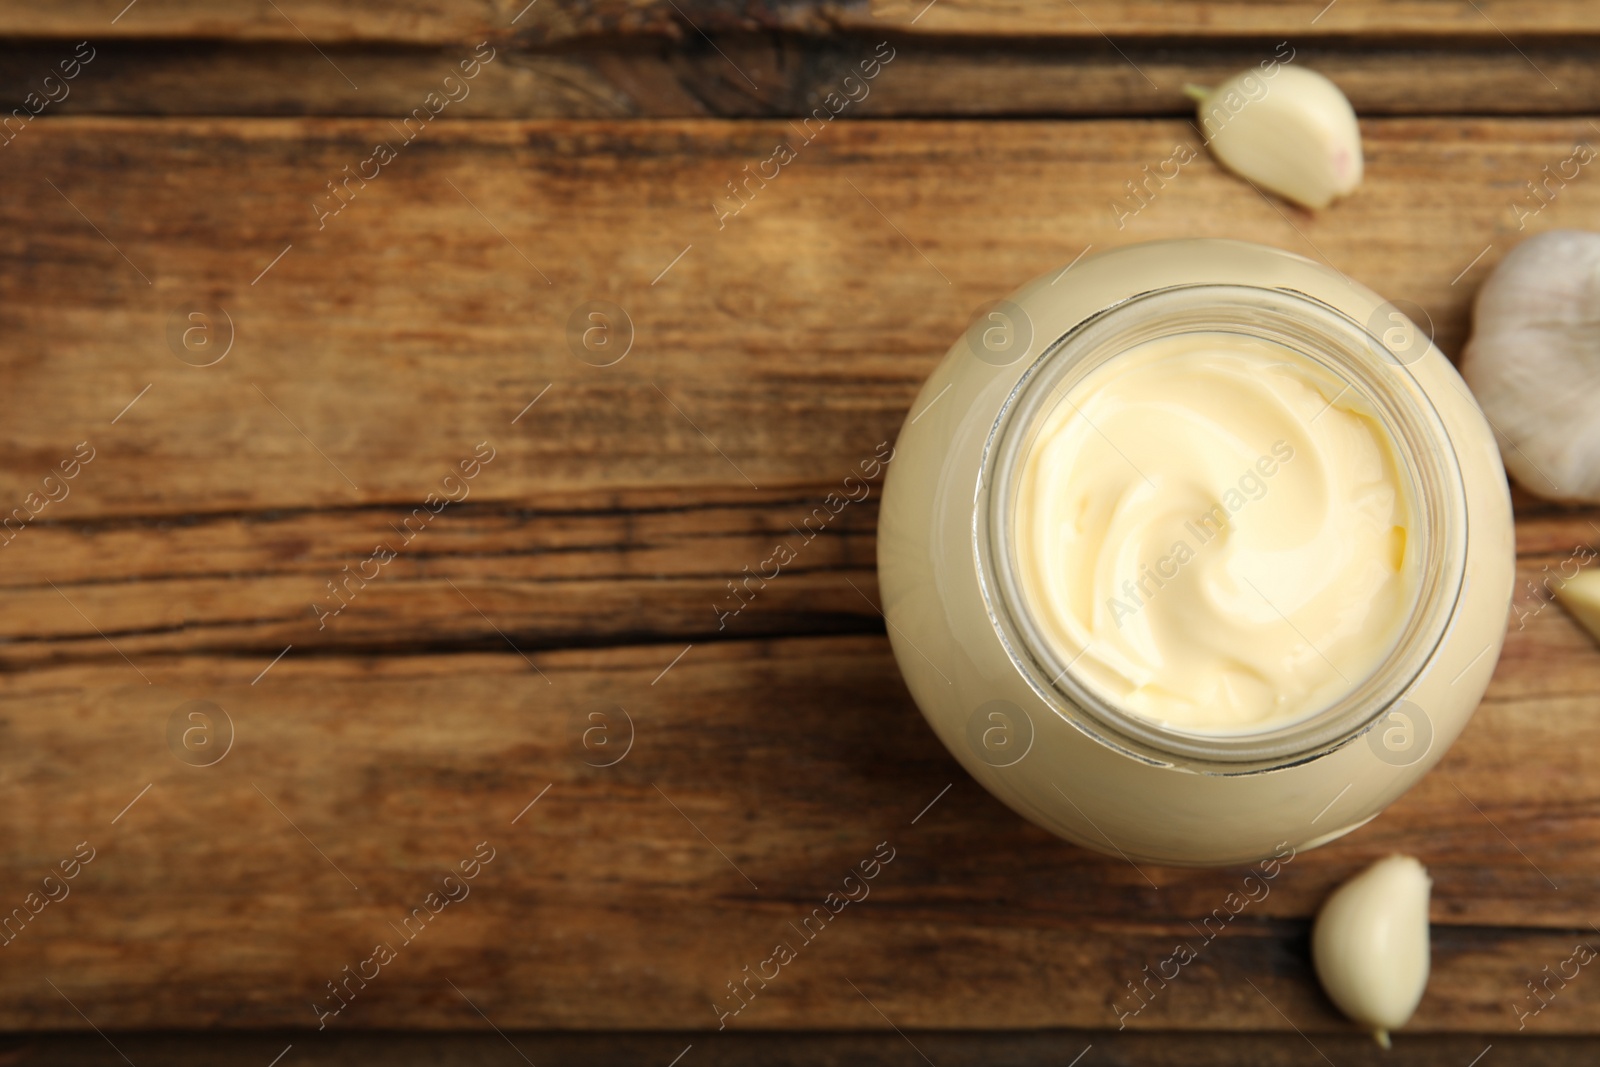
x=1196, y=549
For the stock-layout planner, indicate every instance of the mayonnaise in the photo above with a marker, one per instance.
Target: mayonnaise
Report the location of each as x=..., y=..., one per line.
x=1212, y=530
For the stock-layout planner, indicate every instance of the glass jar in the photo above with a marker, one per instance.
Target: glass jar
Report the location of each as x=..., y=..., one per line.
x=1025, y=724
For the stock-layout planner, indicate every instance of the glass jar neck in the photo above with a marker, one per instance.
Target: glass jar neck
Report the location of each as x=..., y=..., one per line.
x=1376, y=378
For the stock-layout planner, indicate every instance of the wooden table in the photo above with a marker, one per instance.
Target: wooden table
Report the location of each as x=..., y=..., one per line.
x=538, y=673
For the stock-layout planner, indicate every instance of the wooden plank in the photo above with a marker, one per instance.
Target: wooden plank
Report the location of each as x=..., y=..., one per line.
x=645, y=565
x=629, y=895
x=801, y=1049
x=608, y=78
x=431, y=21
x=1373, y=18
x=778, y=349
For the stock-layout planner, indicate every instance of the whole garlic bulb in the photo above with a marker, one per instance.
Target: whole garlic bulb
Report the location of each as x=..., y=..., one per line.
x=1534, y=362
x=1370, y=944
x=1292, y=132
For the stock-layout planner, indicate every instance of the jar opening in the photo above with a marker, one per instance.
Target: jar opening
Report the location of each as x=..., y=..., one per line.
x=1369, y=377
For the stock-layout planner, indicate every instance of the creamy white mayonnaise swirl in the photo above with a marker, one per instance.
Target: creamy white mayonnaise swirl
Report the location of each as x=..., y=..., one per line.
x=1214, y=531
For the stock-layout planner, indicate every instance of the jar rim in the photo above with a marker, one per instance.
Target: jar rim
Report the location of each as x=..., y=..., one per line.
x=1311, y=328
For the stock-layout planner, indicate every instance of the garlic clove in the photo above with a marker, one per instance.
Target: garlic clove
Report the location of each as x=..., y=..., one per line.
x=1292, y=132
x=1533, y=362
x=1580, y=595
x=1370, y=944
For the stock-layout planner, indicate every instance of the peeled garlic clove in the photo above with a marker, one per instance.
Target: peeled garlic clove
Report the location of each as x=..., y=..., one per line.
x=1534, y=363
x=1370, y=944
x=1580, y=595
x=1291, y=132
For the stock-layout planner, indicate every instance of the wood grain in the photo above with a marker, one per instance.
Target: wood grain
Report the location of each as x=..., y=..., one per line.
x=638, y=566
x=776, y=350
x=606, y=907
x=641, y=567
x=430, y=21
x=598, y=78
x=796, y=1048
